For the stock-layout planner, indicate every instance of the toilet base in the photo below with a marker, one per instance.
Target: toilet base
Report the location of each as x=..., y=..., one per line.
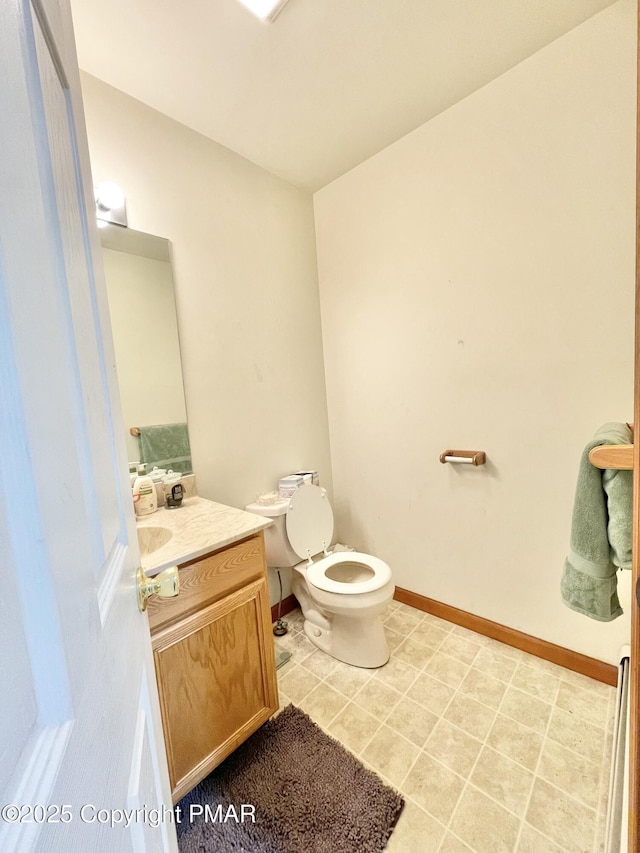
x=350, y=638
x=357, y=642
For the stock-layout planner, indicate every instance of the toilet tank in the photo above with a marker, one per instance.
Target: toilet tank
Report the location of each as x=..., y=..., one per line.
x=280, y=554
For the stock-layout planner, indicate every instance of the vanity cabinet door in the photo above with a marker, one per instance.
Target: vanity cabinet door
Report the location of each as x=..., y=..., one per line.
x=216, y=679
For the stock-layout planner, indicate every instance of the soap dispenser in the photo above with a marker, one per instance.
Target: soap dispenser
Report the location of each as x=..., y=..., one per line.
x=144, y=495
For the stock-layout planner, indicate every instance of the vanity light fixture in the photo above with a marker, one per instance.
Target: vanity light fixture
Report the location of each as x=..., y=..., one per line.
x=266, y=10
x=110, y=204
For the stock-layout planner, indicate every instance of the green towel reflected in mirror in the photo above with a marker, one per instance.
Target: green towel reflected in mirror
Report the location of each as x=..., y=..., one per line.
x=166, y=446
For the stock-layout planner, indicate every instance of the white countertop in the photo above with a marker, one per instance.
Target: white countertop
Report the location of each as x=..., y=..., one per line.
x=197, y=527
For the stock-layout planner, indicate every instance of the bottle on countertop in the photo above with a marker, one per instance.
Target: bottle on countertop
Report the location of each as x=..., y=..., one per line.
x=145, y=500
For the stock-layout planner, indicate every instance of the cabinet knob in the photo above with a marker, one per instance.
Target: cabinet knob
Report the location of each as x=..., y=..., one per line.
x=166, y=584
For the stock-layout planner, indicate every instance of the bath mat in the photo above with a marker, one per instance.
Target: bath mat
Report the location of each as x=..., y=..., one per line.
x=309, y=794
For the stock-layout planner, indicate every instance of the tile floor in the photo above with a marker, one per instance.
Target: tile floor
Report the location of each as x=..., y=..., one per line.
x=493, y=750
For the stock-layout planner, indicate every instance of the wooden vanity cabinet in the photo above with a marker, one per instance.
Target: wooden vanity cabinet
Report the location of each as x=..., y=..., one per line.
x=214, y=659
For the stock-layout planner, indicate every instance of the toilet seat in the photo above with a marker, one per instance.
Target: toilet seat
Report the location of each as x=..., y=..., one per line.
x=317, y=573
x=309, y=524
x=309, y=521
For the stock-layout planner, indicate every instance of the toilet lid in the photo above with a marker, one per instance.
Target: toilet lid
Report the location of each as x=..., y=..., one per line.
x=349, y=566
x=309, y=520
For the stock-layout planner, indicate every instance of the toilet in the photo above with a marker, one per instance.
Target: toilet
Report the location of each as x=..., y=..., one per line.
x=342, y=595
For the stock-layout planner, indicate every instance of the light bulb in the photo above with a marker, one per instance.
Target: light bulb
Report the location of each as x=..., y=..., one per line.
x=266, y=10
x=109, y=196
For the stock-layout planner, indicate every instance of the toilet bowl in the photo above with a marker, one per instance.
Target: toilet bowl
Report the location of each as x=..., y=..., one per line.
x=341, y=595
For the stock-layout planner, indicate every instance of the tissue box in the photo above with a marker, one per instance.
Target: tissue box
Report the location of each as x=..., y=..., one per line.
x=287, y=485
x=309, y=477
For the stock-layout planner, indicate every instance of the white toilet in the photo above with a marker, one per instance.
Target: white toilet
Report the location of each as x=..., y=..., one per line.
x=341, y=595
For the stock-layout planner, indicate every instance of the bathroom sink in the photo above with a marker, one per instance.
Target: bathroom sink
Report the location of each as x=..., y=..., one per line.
x=152, y=538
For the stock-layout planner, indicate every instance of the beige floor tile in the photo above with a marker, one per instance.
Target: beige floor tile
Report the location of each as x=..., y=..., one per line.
x=517, y=742
x=354, y=727
x=447, y=669
x=475, y=718
x=453, y=748
x=397, y=674
x=526, y=709
x=402, y=621
x=603, y=789
x=412, y=720
x=495, y=663
x=348, y=679
x=484, y=825
x=320, y=663
x=407, y=608
x=611, y=715
x=440, y=623
x=367, y=766
x=536, y=682
x=298, y=683
x=472, y=636
x=432, y=694
x=323, y=704
x=545, y=665
x=591, y=706
x=414, y=653
x=577, y=734
x=460, y=647
x=277, y=647
x=429, y=634
x=503, y=780
x=283, y=700
x=390, y=754
x=503, y=649
x=562, y=818
x=601, y=833
x=415, y=831
x=451, y=844
x=393, y=638
x=586, y=683
x=298, y=644
x=433, y=787
x=376, y=698
x=571, y=772
x=531, y=841
x=483, y=688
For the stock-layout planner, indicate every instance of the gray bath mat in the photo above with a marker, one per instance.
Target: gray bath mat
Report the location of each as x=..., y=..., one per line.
x=310, y=796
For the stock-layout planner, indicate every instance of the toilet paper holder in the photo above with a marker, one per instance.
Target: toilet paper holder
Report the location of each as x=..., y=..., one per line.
x=466, y=457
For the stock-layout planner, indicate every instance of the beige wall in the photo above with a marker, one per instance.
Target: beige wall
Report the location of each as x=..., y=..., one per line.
x=243, y=250
x=476, y=284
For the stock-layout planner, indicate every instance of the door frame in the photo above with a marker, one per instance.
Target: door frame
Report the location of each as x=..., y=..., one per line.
x=634, y=690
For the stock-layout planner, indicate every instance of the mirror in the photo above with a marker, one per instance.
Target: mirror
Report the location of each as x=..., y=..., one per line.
x=147, y=348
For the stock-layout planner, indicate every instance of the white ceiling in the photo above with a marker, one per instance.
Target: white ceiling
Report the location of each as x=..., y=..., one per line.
x=325, y=86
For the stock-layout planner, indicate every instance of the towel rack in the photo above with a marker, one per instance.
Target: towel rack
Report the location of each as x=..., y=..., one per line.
x=618, y=456
x=612, y=456
x=468, y=457
x=135, y=431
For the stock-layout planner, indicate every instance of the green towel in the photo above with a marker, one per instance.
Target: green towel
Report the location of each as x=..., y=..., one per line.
x=166, y=446
x=600, y=532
